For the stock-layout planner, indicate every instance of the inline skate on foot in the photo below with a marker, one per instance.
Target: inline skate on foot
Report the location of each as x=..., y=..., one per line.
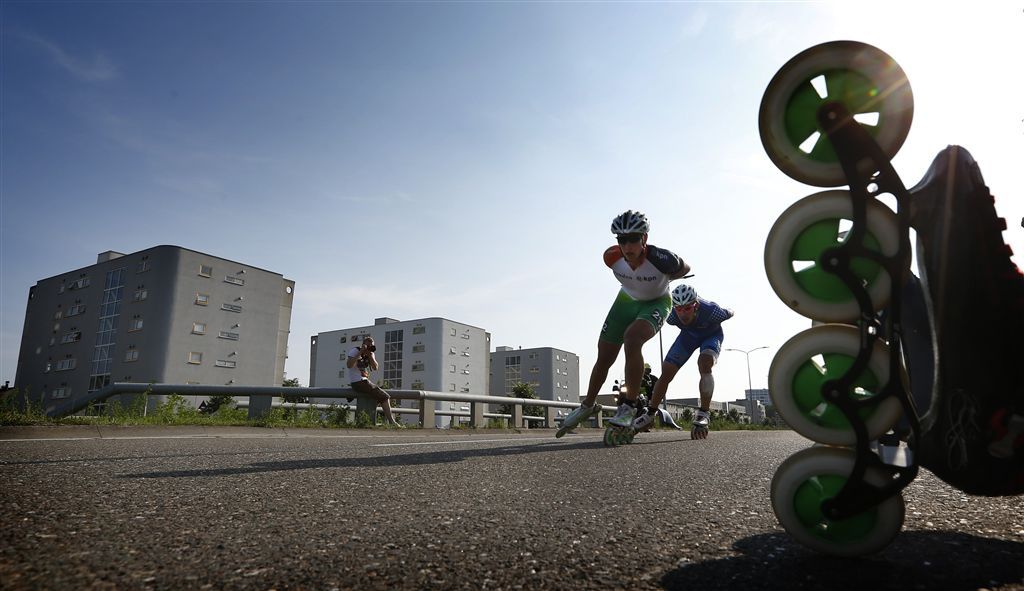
x=577, y=416
x=701, y=425
x=884, y=343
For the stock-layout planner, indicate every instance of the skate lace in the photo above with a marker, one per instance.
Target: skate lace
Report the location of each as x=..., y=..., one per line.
x=961, y=415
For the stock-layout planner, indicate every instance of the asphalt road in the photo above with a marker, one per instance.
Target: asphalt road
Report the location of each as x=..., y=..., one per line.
x=83, y=508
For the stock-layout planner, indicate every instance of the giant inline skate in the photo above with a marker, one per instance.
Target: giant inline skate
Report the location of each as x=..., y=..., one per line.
x=899, y=370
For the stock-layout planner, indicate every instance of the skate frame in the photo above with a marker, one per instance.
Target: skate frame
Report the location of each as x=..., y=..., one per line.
x=856, y=150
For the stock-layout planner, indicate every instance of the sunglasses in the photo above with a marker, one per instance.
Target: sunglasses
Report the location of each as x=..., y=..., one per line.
x=688, y=307
x=629, y=238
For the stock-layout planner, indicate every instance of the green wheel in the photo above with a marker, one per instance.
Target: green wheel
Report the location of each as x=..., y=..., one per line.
x=869, y=83
x=610, y=437
x=802, y=234
x=811, y=476
x=628, y=435
x=821, y=353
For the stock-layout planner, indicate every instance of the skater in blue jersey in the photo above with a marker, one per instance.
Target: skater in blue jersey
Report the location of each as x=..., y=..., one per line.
x=700, y=328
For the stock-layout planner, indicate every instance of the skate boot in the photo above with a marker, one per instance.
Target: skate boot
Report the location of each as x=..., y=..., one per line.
x=577, y=416
x=701, y=423
x=971, y=432
x=645, y=419
x=620, y=427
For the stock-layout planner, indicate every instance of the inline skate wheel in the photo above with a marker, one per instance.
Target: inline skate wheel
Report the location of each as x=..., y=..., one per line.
x=816, y=474
x=819, y=354
x=796, y=243
x=611, y=438
x=866, y=80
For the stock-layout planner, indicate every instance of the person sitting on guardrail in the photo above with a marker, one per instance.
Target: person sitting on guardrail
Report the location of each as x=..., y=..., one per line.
x=361, y=361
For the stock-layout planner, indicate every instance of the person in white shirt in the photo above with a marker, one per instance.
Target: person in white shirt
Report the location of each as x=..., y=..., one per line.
x=361, y=361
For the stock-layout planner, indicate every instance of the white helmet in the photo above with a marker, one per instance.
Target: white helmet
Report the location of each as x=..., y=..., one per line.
x=683, y=294
x=630, y=222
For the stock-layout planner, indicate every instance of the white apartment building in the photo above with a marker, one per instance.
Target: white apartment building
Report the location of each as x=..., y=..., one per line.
x=553, y=373
x=165, y=315
x=433, y=354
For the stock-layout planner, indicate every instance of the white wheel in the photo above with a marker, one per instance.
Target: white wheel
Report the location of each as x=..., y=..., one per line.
x=804, y=232
x=813, y=475
x=868, y=82
x=820, y=354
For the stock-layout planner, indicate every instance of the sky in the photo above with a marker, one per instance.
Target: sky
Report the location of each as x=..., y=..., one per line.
x=461, y=160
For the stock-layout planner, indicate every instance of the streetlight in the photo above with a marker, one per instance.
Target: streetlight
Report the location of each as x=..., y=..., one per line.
x=750, y=385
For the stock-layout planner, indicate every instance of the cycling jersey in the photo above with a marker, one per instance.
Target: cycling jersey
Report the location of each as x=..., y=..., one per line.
x=649, y=281
x=704, y=333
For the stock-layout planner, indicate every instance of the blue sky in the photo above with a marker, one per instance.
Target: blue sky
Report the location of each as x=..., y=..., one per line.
x=455, y=159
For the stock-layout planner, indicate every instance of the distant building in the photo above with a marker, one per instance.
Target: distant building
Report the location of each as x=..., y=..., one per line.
x=433, y=354
x=722, y=407
x=553, y=373
x=161, y=315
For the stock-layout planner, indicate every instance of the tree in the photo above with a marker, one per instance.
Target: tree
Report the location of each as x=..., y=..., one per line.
x=293, y=383
x=734, y=415
x=523, y=390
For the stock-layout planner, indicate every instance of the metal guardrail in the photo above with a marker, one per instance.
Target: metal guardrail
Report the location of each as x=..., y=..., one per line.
x=261, y=400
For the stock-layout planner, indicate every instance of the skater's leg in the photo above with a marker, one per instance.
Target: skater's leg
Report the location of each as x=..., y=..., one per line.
x=668, y=373
x=607, y=353
x=706, y=386
x=638, y=333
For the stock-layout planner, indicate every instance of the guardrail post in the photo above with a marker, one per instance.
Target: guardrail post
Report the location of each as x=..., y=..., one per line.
x=549, y=416
x=517, y=416
x=427, y=415
x=259, y=405
x=367, y=405
x=476, y=414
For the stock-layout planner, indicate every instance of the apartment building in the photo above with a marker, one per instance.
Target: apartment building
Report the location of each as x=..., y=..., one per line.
x=162, y=315
x=434, y=354
x=553, y=373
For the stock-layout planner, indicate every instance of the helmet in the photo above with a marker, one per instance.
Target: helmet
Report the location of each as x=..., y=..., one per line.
x=683, y=294
x=630, y=222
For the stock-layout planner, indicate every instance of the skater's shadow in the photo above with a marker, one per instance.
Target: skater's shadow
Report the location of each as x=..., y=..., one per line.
x=915, y=560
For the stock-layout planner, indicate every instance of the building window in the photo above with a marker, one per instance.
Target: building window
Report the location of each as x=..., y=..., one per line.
x=66, y=364
x=343, y=339
x=225, y=363
x=417, y=385
x=198, y=328
x=451, y=332
x=75, y=310
x=451, y=388
x=451, y=369
x=392, y=369
x=341, y=374
x=195, y=357
x=71, y=337
x=465, y=388
x=57, y=315
x=202, y=299
x=80, y=283
x=417, y=366
x=131, y=355
x=451, y=351
x=143, y=266
x=140, y=294
x=205, y=271
x=62, y=392
x=419, y=348
x=231, y=308
x=465, y=335
x=419, y=329
x=135, y=324
x=231, y=336
x=234, y=280
x=465, y=353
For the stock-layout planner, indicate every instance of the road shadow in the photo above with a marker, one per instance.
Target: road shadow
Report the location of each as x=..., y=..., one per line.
x=929, y=560
x=387, y=461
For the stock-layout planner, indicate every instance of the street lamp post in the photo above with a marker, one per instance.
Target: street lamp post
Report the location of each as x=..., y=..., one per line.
x=750, y=385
